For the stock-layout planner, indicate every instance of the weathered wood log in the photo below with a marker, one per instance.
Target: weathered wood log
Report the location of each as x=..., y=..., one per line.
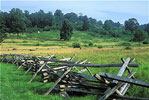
x=45, y=74
x=101, y=93
x=127, y=80
x=96, y=65
x=123, y=89
x=62, y=86
x=44, y=70
x=37, y=72
x=123, y=68
x=28, y=70
x=83, y=70
x=68, y=70
x=44, y=81
x=110, y=91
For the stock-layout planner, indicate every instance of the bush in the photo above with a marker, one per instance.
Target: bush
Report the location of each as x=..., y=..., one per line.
x=90, y=44
x=38, y=44
x=139, y=35
x=128, y=48
x=66, y=30
x=145, y=42
x=46, y=28
x=125, y=44
x=76, y=45
x=100, y=46
x=24, y=41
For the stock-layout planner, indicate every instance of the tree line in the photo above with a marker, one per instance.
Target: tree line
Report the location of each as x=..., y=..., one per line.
x=18, y=21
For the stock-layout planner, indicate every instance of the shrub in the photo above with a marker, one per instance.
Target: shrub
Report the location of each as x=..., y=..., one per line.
x=46, y=28
x=37, y=44
x=128, y=48
x=90, y=44
x=66, y=30
x=24, y=41
x=14, y=49
x=100, y=46
x=76, y=45
x=145, y=42
x=139, y=35
x=125, y=44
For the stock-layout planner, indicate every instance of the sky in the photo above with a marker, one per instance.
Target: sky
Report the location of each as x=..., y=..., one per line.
x=116, y=10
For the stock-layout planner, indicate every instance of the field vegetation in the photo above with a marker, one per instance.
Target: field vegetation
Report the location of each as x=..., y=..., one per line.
x=46, y=43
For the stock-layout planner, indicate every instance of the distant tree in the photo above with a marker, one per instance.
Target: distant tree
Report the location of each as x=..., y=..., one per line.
x=139, y=35
x=72, y=17
x=147, y=28
x=59, y=17
x=85, y=22
x=92, y=21
x=27, y=18
x=108, y=25
x=131, y=24
x=3, y=27
x=99, y=23
x=66, y=30
x=18, y=23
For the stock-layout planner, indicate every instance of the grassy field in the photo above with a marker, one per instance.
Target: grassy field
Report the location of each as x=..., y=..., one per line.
x=15, y=85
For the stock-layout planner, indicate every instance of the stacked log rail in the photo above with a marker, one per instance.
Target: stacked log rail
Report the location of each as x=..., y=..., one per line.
x=60, y=71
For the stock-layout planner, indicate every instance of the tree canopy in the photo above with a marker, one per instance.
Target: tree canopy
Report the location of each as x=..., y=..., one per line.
x=131, y=24
x=18, y=21
x=66, y=30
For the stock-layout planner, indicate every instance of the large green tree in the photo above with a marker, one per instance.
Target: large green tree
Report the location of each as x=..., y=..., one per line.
x=66, y=30
x=3, y=27
x=18, y=21
x=147, y=28
x=85, y=22
x=139, y=35
x=131, y=24
x=59, y=17
x=108, y=24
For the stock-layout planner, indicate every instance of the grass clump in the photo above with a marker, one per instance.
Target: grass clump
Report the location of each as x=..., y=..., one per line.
x=90, y=44
x=145, y=42
x=100, y=46
x=76, y=45
x=128, y=48
x=125, y=44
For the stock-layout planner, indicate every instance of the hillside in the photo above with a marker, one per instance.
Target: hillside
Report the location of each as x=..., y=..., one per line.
x=48, y=43
x=50, y=40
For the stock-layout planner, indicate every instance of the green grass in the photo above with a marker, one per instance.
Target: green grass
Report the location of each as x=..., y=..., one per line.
x=15, y=85
x=52, y=38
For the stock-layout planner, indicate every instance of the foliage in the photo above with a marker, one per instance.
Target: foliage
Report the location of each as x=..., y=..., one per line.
x=128, y=48
x=145, y=42
x=90, y=44
x=66, y=30
x=2, y=36
x=139, y=35
x=100, y=46
x=147, y=28
x=17, y=21
x=59, y=17
x=131, y=24
x=76, y=45
x=108, y=24
x=3, y=28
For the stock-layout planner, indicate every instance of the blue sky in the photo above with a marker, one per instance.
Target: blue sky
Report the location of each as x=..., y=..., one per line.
x=117, y=10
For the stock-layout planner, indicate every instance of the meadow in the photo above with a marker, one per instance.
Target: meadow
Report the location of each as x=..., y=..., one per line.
x=15, y=85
